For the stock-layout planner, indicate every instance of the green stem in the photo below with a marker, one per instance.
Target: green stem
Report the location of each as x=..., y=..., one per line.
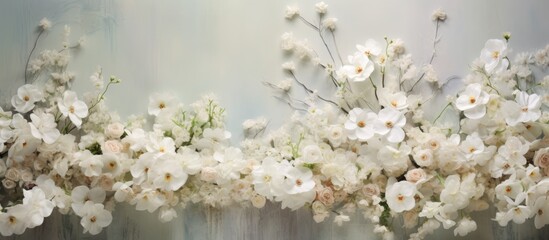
x=440, y=114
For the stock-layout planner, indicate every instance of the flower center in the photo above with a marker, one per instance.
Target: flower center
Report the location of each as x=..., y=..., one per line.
x=367, y=53
x=12, y=219
x=26, y=98
x=358, y=70
x=168, y=177
x=394, y=103
x=93, y=219
x=495, y=54
x=381, y=59
x=540, y=212
x=361, y=124
x=71, y=109
x=423, y=157
x=298, y=182
x=162, y=149
x=389, y=124
x=161, y=105
x=508, y=189
x=267, y=178
x=524, y=109
x=472, y=149
x=400, y=197
x=472, y=100
x=112, y=164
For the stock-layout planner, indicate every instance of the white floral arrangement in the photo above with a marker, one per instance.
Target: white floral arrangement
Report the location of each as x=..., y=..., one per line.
x=370, y=149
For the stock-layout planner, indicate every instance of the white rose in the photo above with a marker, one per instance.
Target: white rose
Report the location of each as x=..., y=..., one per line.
x=12, y=174
x=326, y=196
x=258, y=201
x=114, y=130
x=541, y=158
x=112, y=146
x=26, y=176
x=319, y=208
x=8, y=184
x=415, y=175
x=208, y=174
x=370, y=190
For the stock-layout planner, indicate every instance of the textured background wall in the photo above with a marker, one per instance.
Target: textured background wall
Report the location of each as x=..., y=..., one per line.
x=228, y=48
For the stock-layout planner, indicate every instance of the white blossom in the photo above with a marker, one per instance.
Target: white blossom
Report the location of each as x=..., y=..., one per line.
x=472, y=101
x=73, y=108
x=27, y=96
x=493, y=55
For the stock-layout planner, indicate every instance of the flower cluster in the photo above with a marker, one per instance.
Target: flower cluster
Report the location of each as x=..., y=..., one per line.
x=372, y=148
x=369, y=146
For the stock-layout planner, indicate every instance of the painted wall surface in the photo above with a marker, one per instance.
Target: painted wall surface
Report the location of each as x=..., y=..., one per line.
x=191, y=48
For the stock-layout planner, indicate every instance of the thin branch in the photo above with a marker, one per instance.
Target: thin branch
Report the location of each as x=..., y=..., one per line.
x=30, y=54
x=336, y=47
x=435, y=41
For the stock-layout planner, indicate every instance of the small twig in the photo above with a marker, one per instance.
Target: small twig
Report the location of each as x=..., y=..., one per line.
x=309, y=91
x=30, y=54
x=435, y=41
x=324, y=40
x=336, y=47
x=308, y=23
x=440, y=114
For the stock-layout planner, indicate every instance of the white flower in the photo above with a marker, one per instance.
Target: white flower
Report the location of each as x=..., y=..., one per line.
x=541, y=209
x=472, y=145
x=360, y=67
x=288, y=42
x=360, y=124
x=114, y=130
x=123, y=191
x=340, y=219
x=95, y=217
x=258, y=201
x=291, y=12
x=525, y=109
x=73, y=108
x=149, y=200
x=140, y=170
x=27, y=96
x=311, y=154
x=81, y=195
x=161, y=146
x=267, y=176
x=37, y=206
x=91, y=165
x=169, y=175
x=465, y=226
x=472, y=101
x=166, y=214
x=390, y=122
x=321, y=7
x=370, y=49
x=329, y=23
x=397, y=100
x=44, y=127
x=439, y=15
x=400, y=196
x=161, y=102
x=14, y=220
x=299, y=180
x=45, y=24
x=493, y=56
